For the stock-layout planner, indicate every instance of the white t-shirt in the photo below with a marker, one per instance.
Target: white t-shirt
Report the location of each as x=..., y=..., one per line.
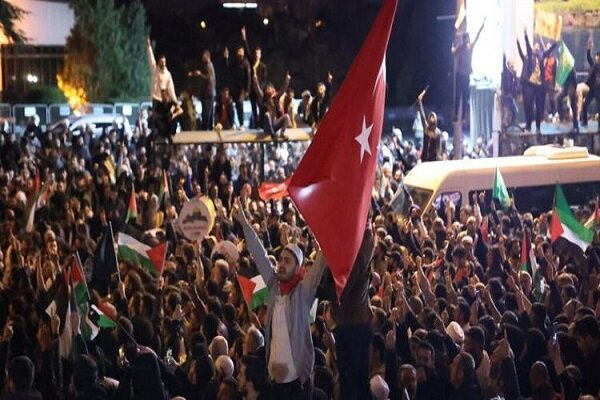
x=281, y=362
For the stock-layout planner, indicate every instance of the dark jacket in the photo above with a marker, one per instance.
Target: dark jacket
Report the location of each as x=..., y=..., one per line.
x=355, y=307
x=531, y=59
x=26, y=394
x=593, y=80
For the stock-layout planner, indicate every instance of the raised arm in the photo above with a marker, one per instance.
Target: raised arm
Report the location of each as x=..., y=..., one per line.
x=422, y=113
x=521, y=54
x=528, y=45
x=150, y=52
x=478, y=33
x=314, y=273
x=255, y=246
x=590, y=60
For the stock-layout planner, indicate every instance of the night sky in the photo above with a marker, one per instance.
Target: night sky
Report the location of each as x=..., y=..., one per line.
x=418, y=52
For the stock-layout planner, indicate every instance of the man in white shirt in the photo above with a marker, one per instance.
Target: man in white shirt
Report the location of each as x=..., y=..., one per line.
x=289, y=347
x=165, y=107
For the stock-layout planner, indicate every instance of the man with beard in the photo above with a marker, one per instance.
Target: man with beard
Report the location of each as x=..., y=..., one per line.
x=432, y=149
x=289, y=347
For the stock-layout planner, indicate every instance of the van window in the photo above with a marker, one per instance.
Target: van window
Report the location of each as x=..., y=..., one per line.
x=440, y=203
x=542, y=197
x=419, y=196
x=488, y=196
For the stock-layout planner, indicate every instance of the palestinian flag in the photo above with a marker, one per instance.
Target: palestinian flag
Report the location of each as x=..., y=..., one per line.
x=594, y=220
x=60, y=305
x=254, y=290
x=132, y=206
x=136, y=252
x=529, y=265
x=565, y=225
x=100, y=318
x=80, y=289
x=499, y=191
x=158, y=255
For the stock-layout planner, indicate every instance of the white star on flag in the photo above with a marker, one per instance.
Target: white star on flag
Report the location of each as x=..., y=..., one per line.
x=363, y=139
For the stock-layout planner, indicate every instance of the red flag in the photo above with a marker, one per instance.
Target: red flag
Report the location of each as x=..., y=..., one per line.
x=274, y=191
x=247, y=287
x=157, y=255
x=556, y=229
x=332, y=185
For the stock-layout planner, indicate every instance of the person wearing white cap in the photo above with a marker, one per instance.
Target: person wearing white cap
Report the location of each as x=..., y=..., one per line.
x=288, y=341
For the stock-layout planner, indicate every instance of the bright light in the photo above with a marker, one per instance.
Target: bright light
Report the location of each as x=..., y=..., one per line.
x=487, y=53
x=266, y=21
x=32, y=78
x=240, y=5
x=203, y=24
x=318, y=23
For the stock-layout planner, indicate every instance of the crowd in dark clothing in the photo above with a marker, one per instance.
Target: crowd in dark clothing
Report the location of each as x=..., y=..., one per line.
x=438, y=306
x=246, y=78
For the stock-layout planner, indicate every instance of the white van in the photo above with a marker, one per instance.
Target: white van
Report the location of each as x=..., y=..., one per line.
x=530, y=177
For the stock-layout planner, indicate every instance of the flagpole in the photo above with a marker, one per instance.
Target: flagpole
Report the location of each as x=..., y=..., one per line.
x=81, y=272
x=112, y=239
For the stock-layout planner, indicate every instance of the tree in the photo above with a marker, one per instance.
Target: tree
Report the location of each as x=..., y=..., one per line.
x=105, y=54
x=9, y=14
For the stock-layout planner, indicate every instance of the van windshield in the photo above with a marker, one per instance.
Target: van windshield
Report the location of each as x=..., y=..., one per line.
x=420, y=196
x=408, y=195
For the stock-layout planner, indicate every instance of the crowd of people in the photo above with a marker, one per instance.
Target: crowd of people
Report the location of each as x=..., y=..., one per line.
x=437, y=306
x=447, y=304
x=544, y=91
x=245, y=77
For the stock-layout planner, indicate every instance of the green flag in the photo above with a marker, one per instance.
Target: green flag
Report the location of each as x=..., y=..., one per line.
x=565, y=225
x=566, y=62
x=499, y=191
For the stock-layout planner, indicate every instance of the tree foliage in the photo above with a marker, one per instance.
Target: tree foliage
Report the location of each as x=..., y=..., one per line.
x=9, y=14
x=105, y=53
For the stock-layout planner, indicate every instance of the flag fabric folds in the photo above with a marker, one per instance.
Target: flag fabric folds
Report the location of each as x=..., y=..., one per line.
x=254, y=290
x=566, y=62
x=499, y=191
x=594, y=219
x=60, y=305
x=131, y=206
x=80, y=289
x=273, y=191
x=105, y=260
x=138, y=253
x=565, y=225
x=100, y=318
x=333, y=183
